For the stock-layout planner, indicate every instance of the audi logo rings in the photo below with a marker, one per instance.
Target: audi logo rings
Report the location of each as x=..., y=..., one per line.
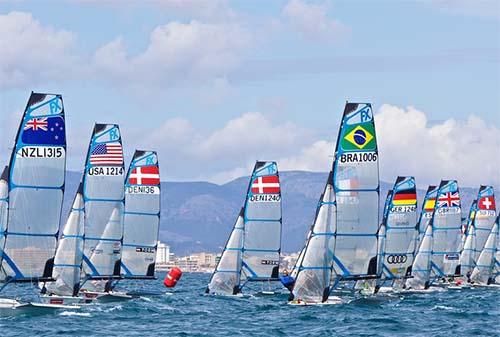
x=397, y=258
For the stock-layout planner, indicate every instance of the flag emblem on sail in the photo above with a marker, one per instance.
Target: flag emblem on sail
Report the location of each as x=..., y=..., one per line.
x=359, y=138
x=145, y=175
x=403, y=199
x=429, y=205
x=487, y=203
x=107, y=154
x=266, y=185
x=44, y=131
x=449, y=199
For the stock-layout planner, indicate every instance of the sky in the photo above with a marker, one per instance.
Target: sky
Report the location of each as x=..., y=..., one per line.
x=215, y=85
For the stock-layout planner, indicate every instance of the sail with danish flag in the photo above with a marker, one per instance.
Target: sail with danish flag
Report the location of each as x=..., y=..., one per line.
x=142, y=216
x=252, y=252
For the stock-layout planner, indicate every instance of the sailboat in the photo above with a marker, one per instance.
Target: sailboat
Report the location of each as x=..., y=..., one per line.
x=31, y=196
x=252, y=251
x=142, y=217
x=487, y=267
x=400, y=232
x=104, y=197
x=343, y=242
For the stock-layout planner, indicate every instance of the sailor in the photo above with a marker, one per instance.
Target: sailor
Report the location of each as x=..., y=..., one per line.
x=468, y=275
x=287, y=280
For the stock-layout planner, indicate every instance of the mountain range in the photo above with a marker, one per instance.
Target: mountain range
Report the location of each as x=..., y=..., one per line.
x=198, y=216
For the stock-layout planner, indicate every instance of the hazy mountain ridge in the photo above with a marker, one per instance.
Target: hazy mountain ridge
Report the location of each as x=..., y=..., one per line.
x=198, y=216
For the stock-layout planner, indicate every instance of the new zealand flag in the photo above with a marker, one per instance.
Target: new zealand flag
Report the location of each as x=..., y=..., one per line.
x=44, y=131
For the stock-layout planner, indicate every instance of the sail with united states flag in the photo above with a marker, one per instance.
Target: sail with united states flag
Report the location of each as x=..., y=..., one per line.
x=142, y=216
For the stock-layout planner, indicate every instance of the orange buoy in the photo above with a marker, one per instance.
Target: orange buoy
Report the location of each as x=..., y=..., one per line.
x=173, y=276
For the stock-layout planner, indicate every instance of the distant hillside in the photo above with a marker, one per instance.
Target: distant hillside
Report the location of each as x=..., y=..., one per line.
x=198, y=216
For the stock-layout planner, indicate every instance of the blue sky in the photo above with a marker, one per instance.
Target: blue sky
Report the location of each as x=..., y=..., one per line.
x=215, y=85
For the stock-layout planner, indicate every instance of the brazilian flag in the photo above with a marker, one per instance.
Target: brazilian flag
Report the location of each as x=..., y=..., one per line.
x=359, y=137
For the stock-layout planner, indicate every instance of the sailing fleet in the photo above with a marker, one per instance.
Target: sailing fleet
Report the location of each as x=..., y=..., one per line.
x=111, y=232
x=112, y=228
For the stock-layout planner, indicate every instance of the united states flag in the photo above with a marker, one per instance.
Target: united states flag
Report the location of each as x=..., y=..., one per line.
x=107, y=154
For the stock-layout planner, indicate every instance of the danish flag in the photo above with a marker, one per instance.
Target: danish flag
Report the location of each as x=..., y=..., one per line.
x=449, y=199
x=266, y=185
x=144, y=175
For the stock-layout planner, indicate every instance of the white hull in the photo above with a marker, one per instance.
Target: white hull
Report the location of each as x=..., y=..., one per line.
x=332, y=300
x=62, y=300
x=13, y=307
x=112, y=296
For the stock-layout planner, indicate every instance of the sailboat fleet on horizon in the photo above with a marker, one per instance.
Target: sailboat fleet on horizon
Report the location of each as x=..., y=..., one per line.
x=112, y=228
x=111, y=232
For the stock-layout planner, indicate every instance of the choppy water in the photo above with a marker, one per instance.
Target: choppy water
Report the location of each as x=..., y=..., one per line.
x=186, y=311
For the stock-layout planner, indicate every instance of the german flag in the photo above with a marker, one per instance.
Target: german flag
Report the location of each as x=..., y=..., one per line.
x=429, y=205
x=404, y=198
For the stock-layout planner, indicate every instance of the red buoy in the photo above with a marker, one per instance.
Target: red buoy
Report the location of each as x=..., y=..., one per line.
x=173, y=276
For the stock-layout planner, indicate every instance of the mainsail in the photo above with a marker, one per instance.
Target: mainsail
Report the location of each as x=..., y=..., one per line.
x=484, y=271
x=427, y=210
x=446, y=224
x=68, y=259
x=33, y=187
x=103, y=196
x=484, y=218
x=252, y=252
x=401, y=230
x=342, y=244
x=467, y=261
x=142, y=216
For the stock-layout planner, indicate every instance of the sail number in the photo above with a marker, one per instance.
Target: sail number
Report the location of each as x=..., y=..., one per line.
x=106, y=171
x=358, y=157
x=265, y=198
x=41, y=152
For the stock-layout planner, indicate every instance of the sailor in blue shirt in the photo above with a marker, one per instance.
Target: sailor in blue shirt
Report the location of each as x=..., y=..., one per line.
x=287, y=280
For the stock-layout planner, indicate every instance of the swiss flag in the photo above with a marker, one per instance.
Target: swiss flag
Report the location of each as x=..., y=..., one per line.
x=144, y=175
x=487, y=203
x=266, y=185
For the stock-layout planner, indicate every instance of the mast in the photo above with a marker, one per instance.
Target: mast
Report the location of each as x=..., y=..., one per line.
x=142, y=216
x=103, y=195
x=35, y=180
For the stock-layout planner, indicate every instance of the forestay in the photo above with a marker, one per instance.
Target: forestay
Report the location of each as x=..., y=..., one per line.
x=401, y=230
x=446, y=224
x=35, y=186
x=103, y=196
x=356, y=187
x=142, y=216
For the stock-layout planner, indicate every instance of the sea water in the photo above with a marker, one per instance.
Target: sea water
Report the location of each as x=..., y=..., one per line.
x=187, y=311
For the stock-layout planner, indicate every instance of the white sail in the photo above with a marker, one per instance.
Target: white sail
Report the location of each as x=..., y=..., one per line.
x=35, y=177
x=314, y=274
x=401, y=230
x=484, y=218
x=484, y=270
x=226, y=277
x=427, y=210
x=262, y=237
x=103, y=194
x=68, y=259
x=421, y=267
x=447, y=225
x=467, y=261
x=142, y=216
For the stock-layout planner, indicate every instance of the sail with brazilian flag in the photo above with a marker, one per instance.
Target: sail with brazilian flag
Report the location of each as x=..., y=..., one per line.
x=343, y=242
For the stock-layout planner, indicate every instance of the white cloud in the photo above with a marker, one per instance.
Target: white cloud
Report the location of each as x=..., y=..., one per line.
x=312, y=21
x=177, y=52
x=316, y=157
x=31, y=53
x=466, y=151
